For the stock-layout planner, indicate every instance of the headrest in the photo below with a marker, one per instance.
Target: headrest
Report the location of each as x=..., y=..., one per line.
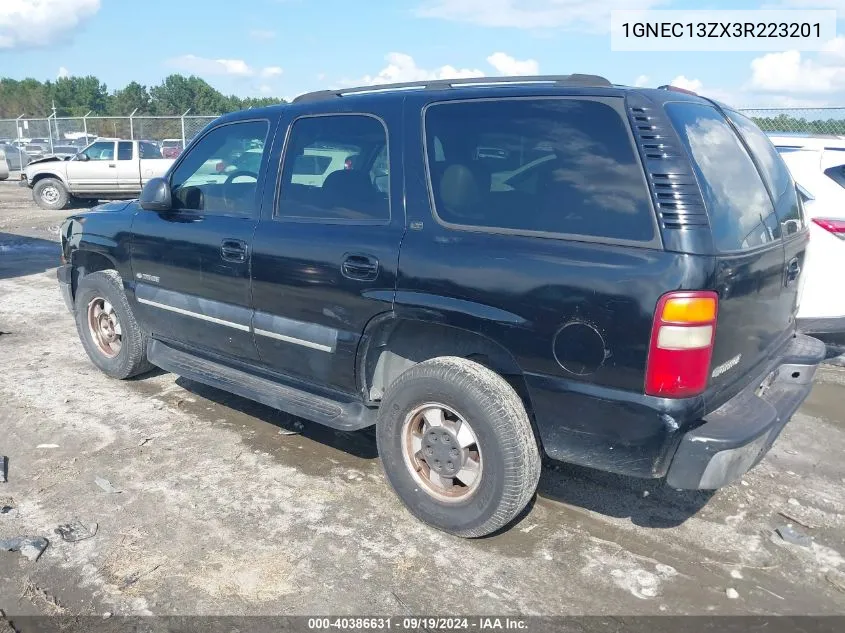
x=462, y=187
x=348, y=188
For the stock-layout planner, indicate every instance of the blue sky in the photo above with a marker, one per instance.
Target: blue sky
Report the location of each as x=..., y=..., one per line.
x=285, y=47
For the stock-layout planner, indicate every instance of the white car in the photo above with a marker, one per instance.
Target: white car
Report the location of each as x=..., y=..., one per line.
x=4, y=166
x=817, y=164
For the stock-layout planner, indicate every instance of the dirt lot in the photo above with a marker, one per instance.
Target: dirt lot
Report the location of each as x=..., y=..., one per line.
x=221, y=506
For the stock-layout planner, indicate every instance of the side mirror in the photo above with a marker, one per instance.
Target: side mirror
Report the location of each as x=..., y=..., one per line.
x=155, y=196
x=83, y=157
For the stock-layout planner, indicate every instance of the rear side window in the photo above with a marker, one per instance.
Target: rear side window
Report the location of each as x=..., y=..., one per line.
x=774, y=171
x=551, y=166
x=329, y=171
x=124, y=151
x=740, y=209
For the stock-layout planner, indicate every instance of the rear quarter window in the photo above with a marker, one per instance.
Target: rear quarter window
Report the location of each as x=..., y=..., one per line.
x=775, y=173
x=564, y=167
x=738, y=205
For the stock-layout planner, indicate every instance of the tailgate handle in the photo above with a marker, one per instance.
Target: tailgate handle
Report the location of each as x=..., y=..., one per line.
x=793, y=269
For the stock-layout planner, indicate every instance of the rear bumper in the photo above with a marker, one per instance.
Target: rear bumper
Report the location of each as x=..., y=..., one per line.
x=736, y=436
x=64, y=275
x=643, y=436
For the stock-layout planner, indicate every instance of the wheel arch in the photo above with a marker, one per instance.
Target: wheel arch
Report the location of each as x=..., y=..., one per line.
x=85, y=262
x=44, y=175
x=391, y=345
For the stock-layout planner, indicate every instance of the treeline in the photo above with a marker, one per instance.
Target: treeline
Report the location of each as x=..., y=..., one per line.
x=786, y=123
x=76, y=96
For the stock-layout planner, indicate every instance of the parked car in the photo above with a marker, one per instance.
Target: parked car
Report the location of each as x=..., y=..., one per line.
x=628, y=306
x=171, y=147
x=4, y=166
x=111, y=169
x=15, y=156
x=64, y=151
x=36, y=151
x=817, y=164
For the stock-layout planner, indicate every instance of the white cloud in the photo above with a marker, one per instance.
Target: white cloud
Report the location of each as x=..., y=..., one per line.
x=262, y=35
x=204, y=66
x=63, y=73
x=507, y=65
x=642, y=81
x=790, y=73
x=265, y=89
x=271, y=71
x=401, y=68
x=531, y=14
x=29, y=23
x=687, y=84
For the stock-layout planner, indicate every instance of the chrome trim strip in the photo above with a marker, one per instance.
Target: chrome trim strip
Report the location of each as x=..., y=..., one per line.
x=296, y=341
x=196, y=315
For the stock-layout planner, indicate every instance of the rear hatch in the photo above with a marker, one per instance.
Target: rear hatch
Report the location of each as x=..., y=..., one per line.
x=759, y=237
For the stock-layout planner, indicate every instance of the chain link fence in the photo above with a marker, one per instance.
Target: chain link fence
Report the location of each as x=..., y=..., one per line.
x=79, y=131
x=830, y=121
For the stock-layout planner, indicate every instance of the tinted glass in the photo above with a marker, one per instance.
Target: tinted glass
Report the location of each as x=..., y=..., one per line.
x=348, y=147
x=101, y=150
x=563, y=166
x=310, y=165
x=775, y=173
x=148, y=150
x=740, y=209
x=124, y=151
x=836, y=174
x=209, y=180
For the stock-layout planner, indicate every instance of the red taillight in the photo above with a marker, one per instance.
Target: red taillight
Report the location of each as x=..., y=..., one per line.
x=681, y=344
x=837, y=227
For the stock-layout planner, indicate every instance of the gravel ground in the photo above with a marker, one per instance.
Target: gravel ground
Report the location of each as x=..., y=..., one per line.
x=217, y=505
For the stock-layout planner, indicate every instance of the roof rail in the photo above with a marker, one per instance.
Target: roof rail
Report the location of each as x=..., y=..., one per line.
x=441, y=84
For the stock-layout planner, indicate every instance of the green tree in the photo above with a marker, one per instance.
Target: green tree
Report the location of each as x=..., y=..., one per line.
x=133, y=97
x=74, y=96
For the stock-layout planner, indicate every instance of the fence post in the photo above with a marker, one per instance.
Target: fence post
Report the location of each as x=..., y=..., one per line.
x=132, y=125
x=85, y=125
x=182, y=118
x=50, y=129
x=18, y=137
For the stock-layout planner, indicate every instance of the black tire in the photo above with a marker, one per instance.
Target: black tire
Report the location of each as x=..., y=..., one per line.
x=50, y=193
x=509, y=453
x=131, y=359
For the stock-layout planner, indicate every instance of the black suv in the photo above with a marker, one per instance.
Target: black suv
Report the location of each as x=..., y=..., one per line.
x=485, y=272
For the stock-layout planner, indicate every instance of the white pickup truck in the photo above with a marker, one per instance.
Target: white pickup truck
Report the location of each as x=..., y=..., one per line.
x=108, y=169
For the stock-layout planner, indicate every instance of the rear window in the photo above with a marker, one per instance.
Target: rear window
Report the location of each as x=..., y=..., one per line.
x=775, y=173
x=554, y=166
x=740, y=209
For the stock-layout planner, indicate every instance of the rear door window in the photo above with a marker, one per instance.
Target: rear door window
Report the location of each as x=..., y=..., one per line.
x=774, y=171
x=740, y=210
x=550, y=166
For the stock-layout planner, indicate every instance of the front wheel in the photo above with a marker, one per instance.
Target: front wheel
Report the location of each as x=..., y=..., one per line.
x=457, y=446
x=51, y=194
x=107, y=328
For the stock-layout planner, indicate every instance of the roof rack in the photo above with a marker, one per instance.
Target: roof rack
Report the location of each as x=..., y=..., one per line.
x=441, y=84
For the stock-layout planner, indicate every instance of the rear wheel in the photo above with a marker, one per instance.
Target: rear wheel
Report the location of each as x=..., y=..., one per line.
x=457, y=446
x=107, y=328
x=50, y=193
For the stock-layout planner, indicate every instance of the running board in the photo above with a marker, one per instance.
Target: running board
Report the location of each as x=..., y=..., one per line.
x=342, y=415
